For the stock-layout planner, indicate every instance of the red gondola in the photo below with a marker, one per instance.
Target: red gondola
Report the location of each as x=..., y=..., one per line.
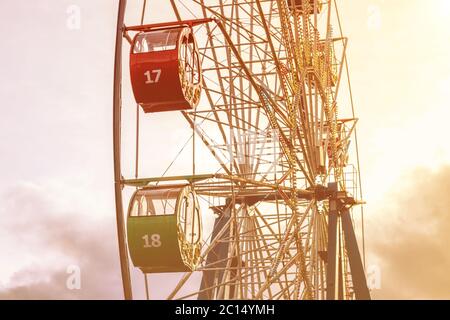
x=165, y=69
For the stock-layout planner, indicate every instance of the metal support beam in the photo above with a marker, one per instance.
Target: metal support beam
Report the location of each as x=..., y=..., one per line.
x=354, y=257
x=339, y=218
x=218, y=253
x=332, y=257
x=341, y=269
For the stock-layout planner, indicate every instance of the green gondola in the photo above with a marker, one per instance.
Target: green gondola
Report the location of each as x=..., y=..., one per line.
x=164, y=229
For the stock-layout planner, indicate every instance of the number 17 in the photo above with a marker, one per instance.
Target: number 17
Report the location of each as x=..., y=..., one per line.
x=149, y=78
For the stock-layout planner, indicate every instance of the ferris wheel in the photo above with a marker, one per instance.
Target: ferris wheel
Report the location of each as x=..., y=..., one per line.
x=263, y=89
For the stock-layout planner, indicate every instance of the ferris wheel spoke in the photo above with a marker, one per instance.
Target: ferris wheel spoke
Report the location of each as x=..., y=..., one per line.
x=269, y=254
x=233, y=139
x=179, y=285
x=284, y=245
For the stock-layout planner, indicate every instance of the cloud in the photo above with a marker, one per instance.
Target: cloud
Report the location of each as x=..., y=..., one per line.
x=43, y=233
x=409, y=239
x=46, y=239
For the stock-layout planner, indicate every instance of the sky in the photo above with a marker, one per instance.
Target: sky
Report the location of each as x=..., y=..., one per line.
x=56, y=197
